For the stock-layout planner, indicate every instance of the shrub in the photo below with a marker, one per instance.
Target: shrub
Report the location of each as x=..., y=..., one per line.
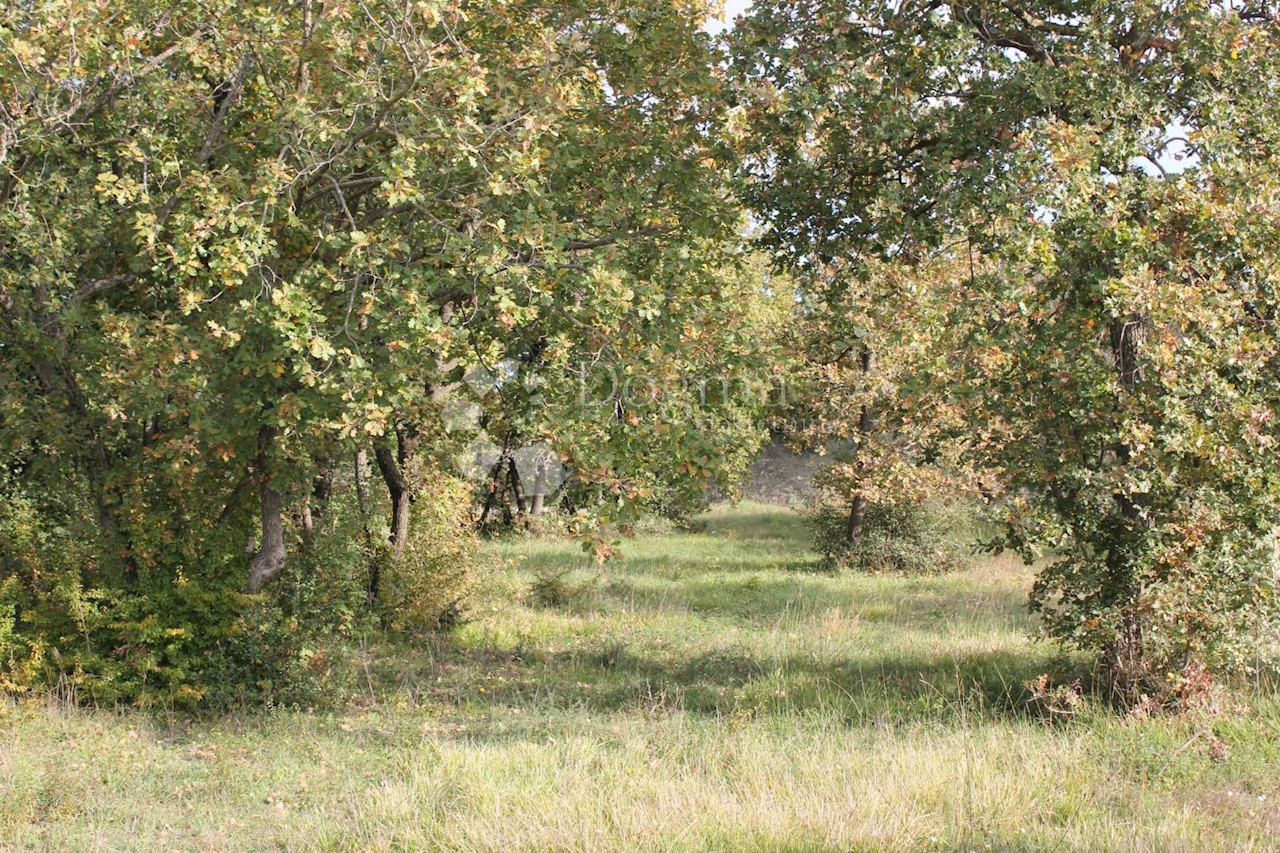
x=325, y=584
x=184, y=635
x=678, y=501
x=552, y=587
x=1178, y=607
x=911, y=537
x=261, y=657
x=190, y=644
x=425, y=586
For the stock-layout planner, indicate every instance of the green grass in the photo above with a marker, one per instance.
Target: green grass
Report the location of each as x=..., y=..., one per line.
x=713, y=692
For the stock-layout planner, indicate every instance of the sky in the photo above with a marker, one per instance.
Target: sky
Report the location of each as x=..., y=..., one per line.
x=732, y=9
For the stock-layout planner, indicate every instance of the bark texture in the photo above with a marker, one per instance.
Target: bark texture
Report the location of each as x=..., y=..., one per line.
x=866, y=420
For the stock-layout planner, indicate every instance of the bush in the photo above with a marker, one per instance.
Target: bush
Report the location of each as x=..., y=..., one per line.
x=182, y=634
x=679, y=501
x=262, y=657
x=912, y=537
x=190, y=644
x=325, y=583
x=1178, y=609
x=425, y=586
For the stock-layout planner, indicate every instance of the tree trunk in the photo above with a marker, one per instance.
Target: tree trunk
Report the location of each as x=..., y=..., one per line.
x=271, y=555
x=857, y=519
x=322, y=490
x=563, y=493
x=398, y=489
x=308, y=520
x=1126, y=342
x=363, y=499
x=536, y=507
x=866, y=420
x=397, y=470
x=496, y=486
x=1126, y=658
x=517, y=488
x=499, y=480
x=315, y=505
x=1127, y=336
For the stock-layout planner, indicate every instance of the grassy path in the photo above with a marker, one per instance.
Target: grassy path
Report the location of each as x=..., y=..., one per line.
x=712, y=693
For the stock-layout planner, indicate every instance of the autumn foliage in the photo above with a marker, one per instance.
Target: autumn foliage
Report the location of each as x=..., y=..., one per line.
x=276, y=279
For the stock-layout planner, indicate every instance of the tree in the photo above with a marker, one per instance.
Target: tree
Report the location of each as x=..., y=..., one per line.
x=863, y=396
x=243, y=244
x=1100, y=177
x=649, y=407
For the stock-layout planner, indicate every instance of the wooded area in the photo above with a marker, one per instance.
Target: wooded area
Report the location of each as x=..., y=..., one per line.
x=288, y=291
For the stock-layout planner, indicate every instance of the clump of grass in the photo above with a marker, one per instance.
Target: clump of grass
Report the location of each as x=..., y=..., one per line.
x=554, y=586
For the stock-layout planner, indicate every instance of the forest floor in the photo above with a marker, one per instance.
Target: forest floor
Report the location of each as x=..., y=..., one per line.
x=712, y=692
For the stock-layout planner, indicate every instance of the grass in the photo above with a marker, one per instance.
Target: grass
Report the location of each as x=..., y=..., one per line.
x=713, y=692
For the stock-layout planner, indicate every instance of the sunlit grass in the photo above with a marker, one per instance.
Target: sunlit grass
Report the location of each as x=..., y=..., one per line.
x=713, y=691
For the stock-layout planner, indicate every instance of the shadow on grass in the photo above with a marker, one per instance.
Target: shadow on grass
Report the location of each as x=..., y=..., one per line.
x=720, y=564
x=763, y=525
x=701, y=610
x=603, y=675
x=727, y=683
